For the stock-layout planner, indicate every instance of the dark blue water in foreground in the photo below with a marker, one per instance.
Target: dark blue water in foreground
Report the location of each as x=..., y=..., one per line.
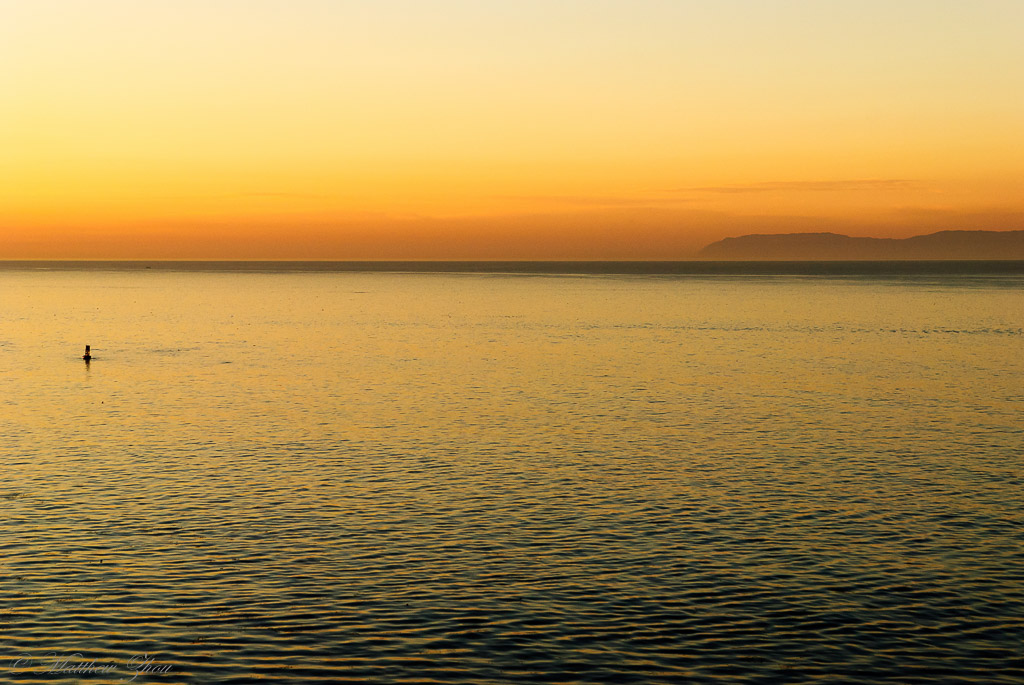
x=310, y=474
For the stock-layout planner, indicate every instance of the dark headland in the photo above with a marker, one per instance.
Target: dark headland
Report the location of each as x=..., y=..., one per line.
x=944, y=245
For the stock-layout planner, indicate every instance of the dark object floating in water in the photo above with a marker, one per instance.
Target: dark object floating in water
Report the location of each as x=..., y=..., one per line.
x=87, y=356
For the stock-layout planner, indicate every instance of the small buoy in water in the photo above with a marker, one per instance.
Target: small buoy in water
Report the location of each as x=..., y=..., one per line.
x=86, y=356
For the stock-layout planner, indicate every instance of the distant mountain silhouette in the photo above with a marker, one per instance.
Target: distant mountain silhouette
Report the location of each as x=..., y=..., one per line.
x=833, y=246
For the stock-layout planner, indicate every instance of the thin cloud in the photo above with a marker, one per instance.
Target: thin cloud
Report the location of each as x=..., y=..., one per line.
x=297, y=196
x=250, y=195
x=806, y=186
x=598, y=200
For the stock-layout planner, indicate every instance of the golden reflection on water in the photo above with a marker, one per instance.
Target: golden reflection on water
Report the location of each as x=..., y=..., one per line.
x=480, y=478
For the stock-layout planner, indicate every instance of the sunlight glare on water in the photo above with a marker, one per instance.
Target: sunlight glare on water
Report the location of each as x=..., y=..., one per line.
x=429, y=477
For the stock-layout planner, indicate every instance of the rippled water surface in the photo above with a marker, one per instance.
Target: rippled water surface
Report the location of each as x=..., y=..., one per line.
x=485, y=478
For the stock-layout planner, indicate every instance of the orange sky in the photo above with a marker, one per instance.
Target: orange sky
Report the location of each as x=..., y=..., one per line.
x=321, y=129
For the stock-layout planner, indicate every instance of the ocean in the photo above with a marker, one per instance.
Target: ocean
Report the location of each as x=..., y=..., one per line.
x=487, y=473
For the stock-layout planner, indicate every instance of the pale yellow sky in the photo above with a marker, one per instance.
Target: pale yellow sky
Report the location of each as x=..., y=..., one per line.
x=444, y=129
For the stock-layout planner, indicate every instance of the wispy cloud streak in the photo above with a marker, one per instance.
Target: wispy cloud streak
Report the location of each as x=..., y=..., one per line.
x=598, y=200
x=807, y=186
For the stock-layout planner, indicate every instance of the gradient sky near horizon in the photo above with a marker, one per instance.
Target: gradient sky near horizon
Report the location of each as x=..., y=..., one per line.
x=452, y=129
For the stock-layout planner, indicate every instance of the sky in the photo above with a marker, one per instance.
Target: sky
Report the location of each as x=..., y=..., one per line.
x=500, y=129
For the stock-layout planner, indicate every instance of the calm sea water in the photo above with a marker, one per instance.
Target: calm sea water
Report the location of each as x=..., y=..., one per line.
x=301, y=476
